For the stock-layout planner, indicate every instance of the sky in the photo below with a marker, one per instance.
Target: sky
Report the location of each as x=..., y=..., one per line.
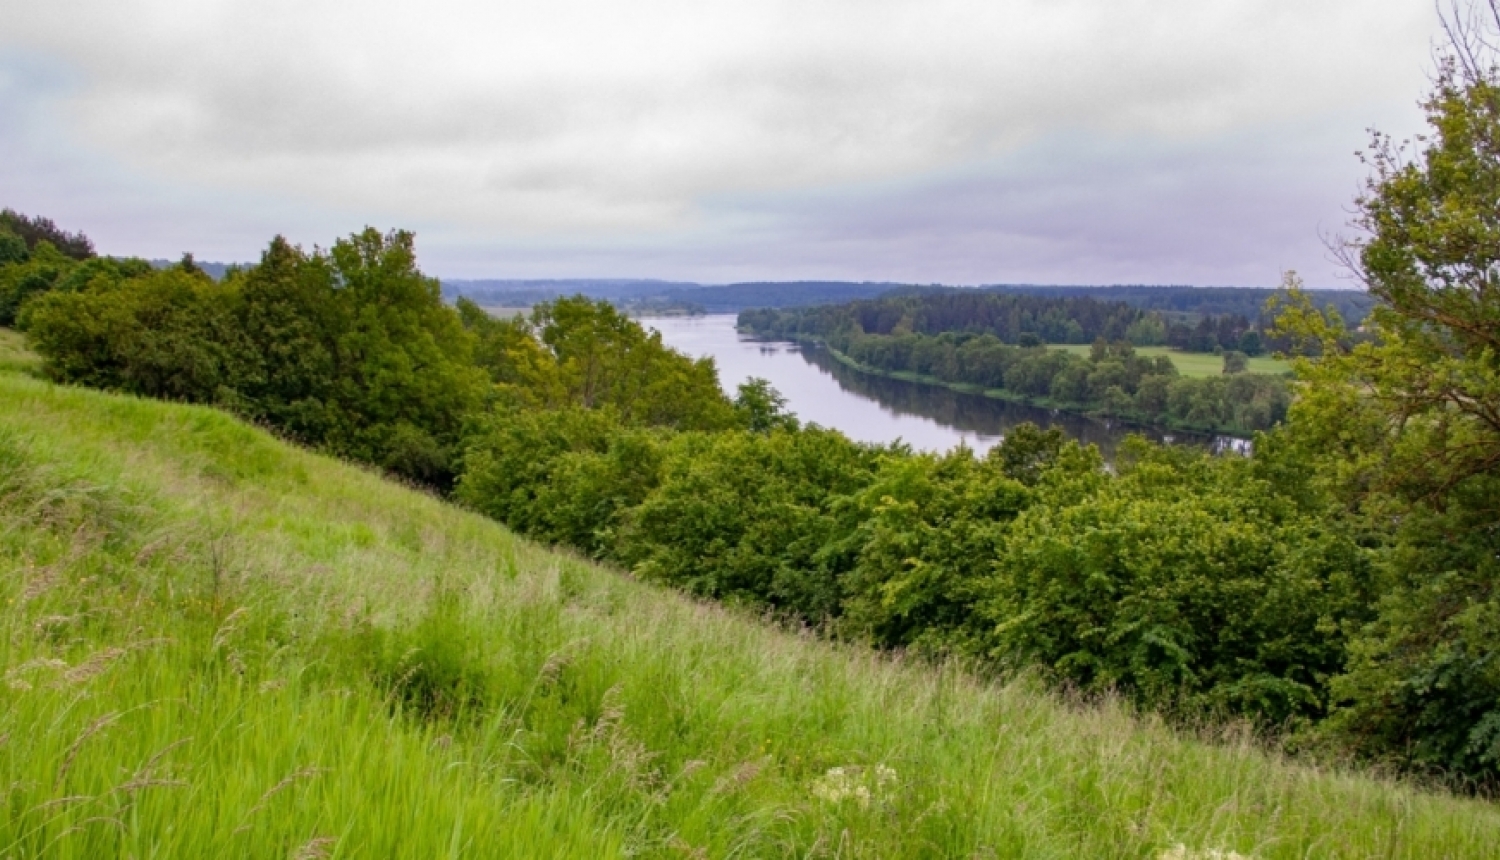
x=1206, y=142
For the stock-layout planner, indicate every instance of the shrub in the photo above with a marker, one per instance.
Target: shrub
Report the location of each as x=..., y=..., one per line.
x=1186, y=583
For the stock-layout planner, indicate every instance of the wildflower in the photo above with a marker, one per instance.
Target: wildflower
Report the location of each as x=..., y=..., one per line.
x=1182, y=852
x=859, y=784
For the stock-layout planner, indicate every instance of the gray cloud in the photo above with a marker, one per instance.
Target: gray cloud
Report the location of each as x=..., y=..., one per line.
x=951, y=139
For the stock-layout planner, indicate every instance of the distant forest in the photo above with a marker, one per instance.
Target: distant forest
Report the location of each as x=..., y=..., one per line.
x=1179, y=303
x=521, y=293
x=1015, y=318
x=217, y=271
x=1248, y=302
x=640, y=296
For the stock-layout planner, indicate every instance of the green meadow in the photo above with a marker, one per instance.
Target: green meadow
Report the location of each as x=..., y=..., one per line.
x=1194, y=365
x=214, y=644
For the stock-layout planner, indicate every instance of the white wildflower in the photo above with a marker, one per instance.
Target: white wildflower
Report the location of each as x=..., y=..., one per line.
x=859, y=784
x=1182, y=852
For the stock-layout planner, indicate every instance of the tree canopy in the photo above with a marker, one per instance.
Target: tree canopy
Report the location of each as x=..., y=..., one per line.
x=35, y=230
x=1404, y=428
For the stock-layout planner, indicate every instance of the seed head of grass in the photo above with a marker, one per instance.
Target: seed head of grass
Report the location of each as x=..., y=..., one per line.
x=741, y=776
x=94, y=728
x=317, y=848
x=286, y=782
x=40, y=583
x=16, y=678
x=94, y=666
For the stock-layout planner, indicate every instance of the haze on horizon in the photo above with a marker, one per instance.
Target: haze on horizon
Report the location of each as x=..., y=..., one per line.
x=955, y=141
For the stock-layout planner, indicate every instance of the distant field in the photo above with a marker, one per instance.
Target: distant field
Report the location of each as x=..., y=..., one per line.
x=1194, y=364
x=506, y=311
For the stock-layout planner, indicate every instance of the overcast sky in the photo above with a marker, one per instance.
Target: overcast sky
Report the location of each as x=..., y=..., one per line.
x=955, y=141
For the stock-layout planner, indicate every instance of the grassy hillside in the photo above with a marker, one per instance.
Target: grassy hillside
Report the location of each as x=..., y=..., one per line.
x=1195, y=365
x=215, y=645
x=13, y=352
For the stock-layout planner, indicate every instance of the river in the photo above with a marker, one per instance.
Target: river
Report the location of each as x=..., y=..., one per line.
x=873, y=408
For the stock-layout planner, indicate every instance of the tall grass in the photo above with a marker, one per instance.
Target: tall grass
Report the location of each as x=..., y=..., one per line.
x=215, y=645
x=13, y=352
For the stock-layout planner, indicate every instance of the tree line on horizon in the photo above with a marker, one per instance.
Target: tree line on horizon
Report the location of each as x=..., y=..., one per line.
x=1182, y=304
x=1016, y=319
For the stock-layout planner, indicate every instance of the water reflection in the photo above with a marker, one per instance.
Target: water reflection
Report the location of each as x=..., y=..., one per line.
x=875, y=408
x=986, y=418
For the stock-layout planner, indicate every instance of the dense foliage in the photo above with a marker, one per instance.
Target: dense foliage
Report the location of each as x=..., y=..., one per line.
x=578, y=352
x=1191, y=582
x=33, y=231
x=1405, y=430
x=349, y=349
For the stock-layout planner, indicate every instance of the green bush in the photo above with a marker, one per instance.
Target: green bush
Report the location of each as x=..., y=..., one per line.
x=748, y=517
x=928, y=530
x=1185, y=582
x=12, y=248
x=165, y=334
x=352, y=350
x=510, y=457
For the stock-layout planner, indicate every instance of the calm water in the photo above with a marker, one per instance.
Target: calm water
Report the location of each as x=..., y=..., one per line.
x=874, y=408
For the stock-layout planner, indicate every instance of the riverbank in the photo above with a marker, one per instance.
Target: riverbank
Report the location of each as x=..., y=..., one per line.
x=1127, y=417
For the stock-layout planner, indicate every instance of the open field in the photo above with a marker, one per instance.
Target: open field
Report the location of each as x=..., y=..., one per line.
x=216, y=645
x=1193, y=364
x=507, y=311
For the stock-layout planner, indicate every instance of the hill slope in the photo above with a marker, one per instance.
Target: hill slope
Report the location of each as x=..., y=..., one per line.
x=214, y=644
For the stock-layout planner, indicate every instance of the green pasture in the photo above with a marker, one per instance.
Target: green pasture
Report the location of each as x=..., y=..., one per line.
x=1192, y=364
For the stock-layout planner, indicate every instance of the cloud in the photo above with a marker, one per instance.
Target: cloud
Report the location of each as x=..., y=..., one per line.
x=679, y=132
